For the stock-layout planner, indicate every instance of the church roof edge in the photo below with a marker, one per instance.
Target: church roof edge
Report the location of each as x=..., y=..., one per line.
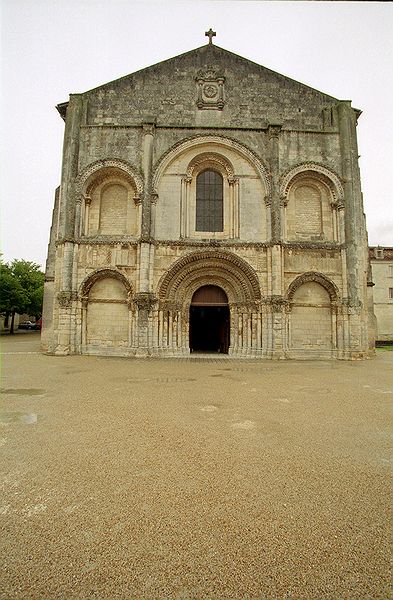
x=62, y=107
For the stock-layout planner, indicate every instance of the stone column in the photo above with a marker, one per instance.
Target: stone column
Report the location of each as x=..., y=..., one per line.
x=67, y=225
x=78, y=217
x=147, y=160
x=138, y=206
x=144, y=303
x=70, y=166
x=185, y=207
x=146, y=226
x=234, y=207
x=87, y=215
x=153, y=203
x=276, y=249
x=353, y=200
x=274, y=159
x=355, y=233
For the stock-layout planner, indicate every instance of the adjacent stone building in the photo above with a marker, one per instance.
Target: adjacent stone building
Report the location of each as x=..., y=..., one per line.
x=381, y=260
x=208, y=204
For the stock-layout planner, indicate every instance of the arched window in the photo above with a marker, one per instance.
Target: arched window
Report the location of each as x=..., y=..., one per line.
x=209, y=202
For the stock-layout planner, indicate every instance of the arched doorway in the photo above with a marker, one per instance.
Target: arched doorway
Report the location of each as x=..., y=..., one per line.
x=209, y=320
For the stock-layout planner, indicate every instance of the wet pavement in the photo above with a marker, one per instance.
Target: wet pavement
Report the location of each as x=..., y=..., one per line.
x=192, y=479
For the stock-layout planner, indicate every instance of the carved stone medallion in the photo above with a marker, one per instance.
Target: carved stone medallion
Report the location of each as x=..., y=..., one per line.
x=210, y=87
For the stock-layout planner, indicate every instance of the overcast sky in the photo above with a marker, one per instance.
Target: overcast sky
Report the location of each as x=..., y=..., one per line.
x=51, y=48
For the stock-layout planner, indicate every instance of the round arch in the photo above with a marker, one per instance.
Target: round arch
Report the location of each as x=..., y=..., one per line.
x=314, y=171
x=99, y=274
x=237, y=278
x=218, y=141
x=210, y=160
x=99, y=170
x=316, y=277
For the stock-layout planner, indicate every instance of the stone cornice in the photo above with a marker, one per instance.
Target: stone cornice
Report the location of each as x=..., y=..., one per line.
x=199, y=243
x=262, y=128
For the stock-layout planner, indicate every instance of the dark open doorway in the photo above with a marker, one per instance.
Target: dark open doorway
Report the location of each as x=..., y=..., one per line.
x=209, y=320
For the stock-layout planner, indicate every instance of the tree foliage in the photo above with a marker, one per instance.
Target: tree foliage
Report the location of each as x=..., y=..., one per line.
x=21, y=288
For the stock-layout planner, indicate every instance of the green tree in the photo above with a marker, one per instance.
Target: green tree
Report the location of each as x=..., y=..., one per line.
x=21, y=289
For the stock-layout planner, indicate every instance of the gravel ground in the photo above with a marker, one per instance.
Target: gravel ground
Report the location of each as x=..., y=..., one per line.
x=192, y=479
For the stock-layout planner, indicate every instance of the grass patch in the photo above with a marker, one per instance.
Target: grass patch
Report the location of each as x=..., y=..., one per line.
x=385, y=348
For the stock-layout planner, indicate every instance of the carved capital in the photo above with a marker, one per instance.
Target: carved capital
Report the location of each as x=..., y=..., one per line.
x=148, y=128
x=273, y=130
x=353, y=306
x=65, y=298
x=87, y=200
x=137, y=200
x=276, y=303
x=153, y=198
x=145, y=301
x=283, y=200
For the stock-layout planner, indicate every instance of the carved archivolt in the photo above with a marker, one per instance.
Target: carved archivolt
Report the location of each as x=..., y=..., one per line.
x=329, y=286
x=100, y=170
x=313, y=171
x=98, y=274
x=224, y=269
x=202, y=140
x=210, y=160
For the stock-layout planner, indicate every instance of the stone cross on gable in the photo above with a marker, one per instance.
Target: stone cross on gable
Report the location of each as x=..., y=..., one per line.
x=210, y=34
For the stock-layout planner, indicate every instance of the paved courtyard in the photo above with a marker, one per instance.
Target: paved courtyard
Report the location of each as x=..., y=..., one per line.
x=192, y=479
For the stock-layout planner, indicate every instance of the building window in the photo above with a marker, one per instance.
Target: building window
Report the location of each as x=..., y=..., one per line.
x=209, y=202
x=390, y=293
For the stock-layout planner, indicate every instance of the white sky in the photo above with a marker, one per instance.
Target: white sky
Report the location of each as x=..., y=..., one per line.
x=51, y=48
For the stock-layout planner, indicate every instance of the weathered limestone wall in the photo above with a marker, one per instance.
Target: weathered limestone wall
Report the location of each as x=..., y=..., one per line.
x=382, y=275
x=292, y=254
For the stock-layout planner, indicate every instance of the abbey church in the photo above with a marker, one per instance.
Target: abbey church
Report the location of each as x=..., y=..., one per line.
x=208, y=205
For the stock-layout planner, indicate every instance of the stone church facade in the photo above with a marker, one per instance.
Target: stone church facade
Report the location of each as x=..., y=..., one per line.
x=208, y=204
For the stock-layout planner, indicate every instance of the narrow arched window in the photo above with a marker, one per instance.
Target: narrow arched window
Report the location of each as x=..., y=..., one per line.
x=209, y=202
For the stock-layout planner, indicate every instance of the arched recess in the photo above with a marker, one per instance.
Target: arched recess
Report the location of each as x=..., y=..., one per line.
x=110, y=197
x=106, y=318
x=217, y=141
x=246, y=185
x=233, y=274
x=312, y=326
x=209, y=320
x=312, y=201
x=324, y=281
x=225, y=270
